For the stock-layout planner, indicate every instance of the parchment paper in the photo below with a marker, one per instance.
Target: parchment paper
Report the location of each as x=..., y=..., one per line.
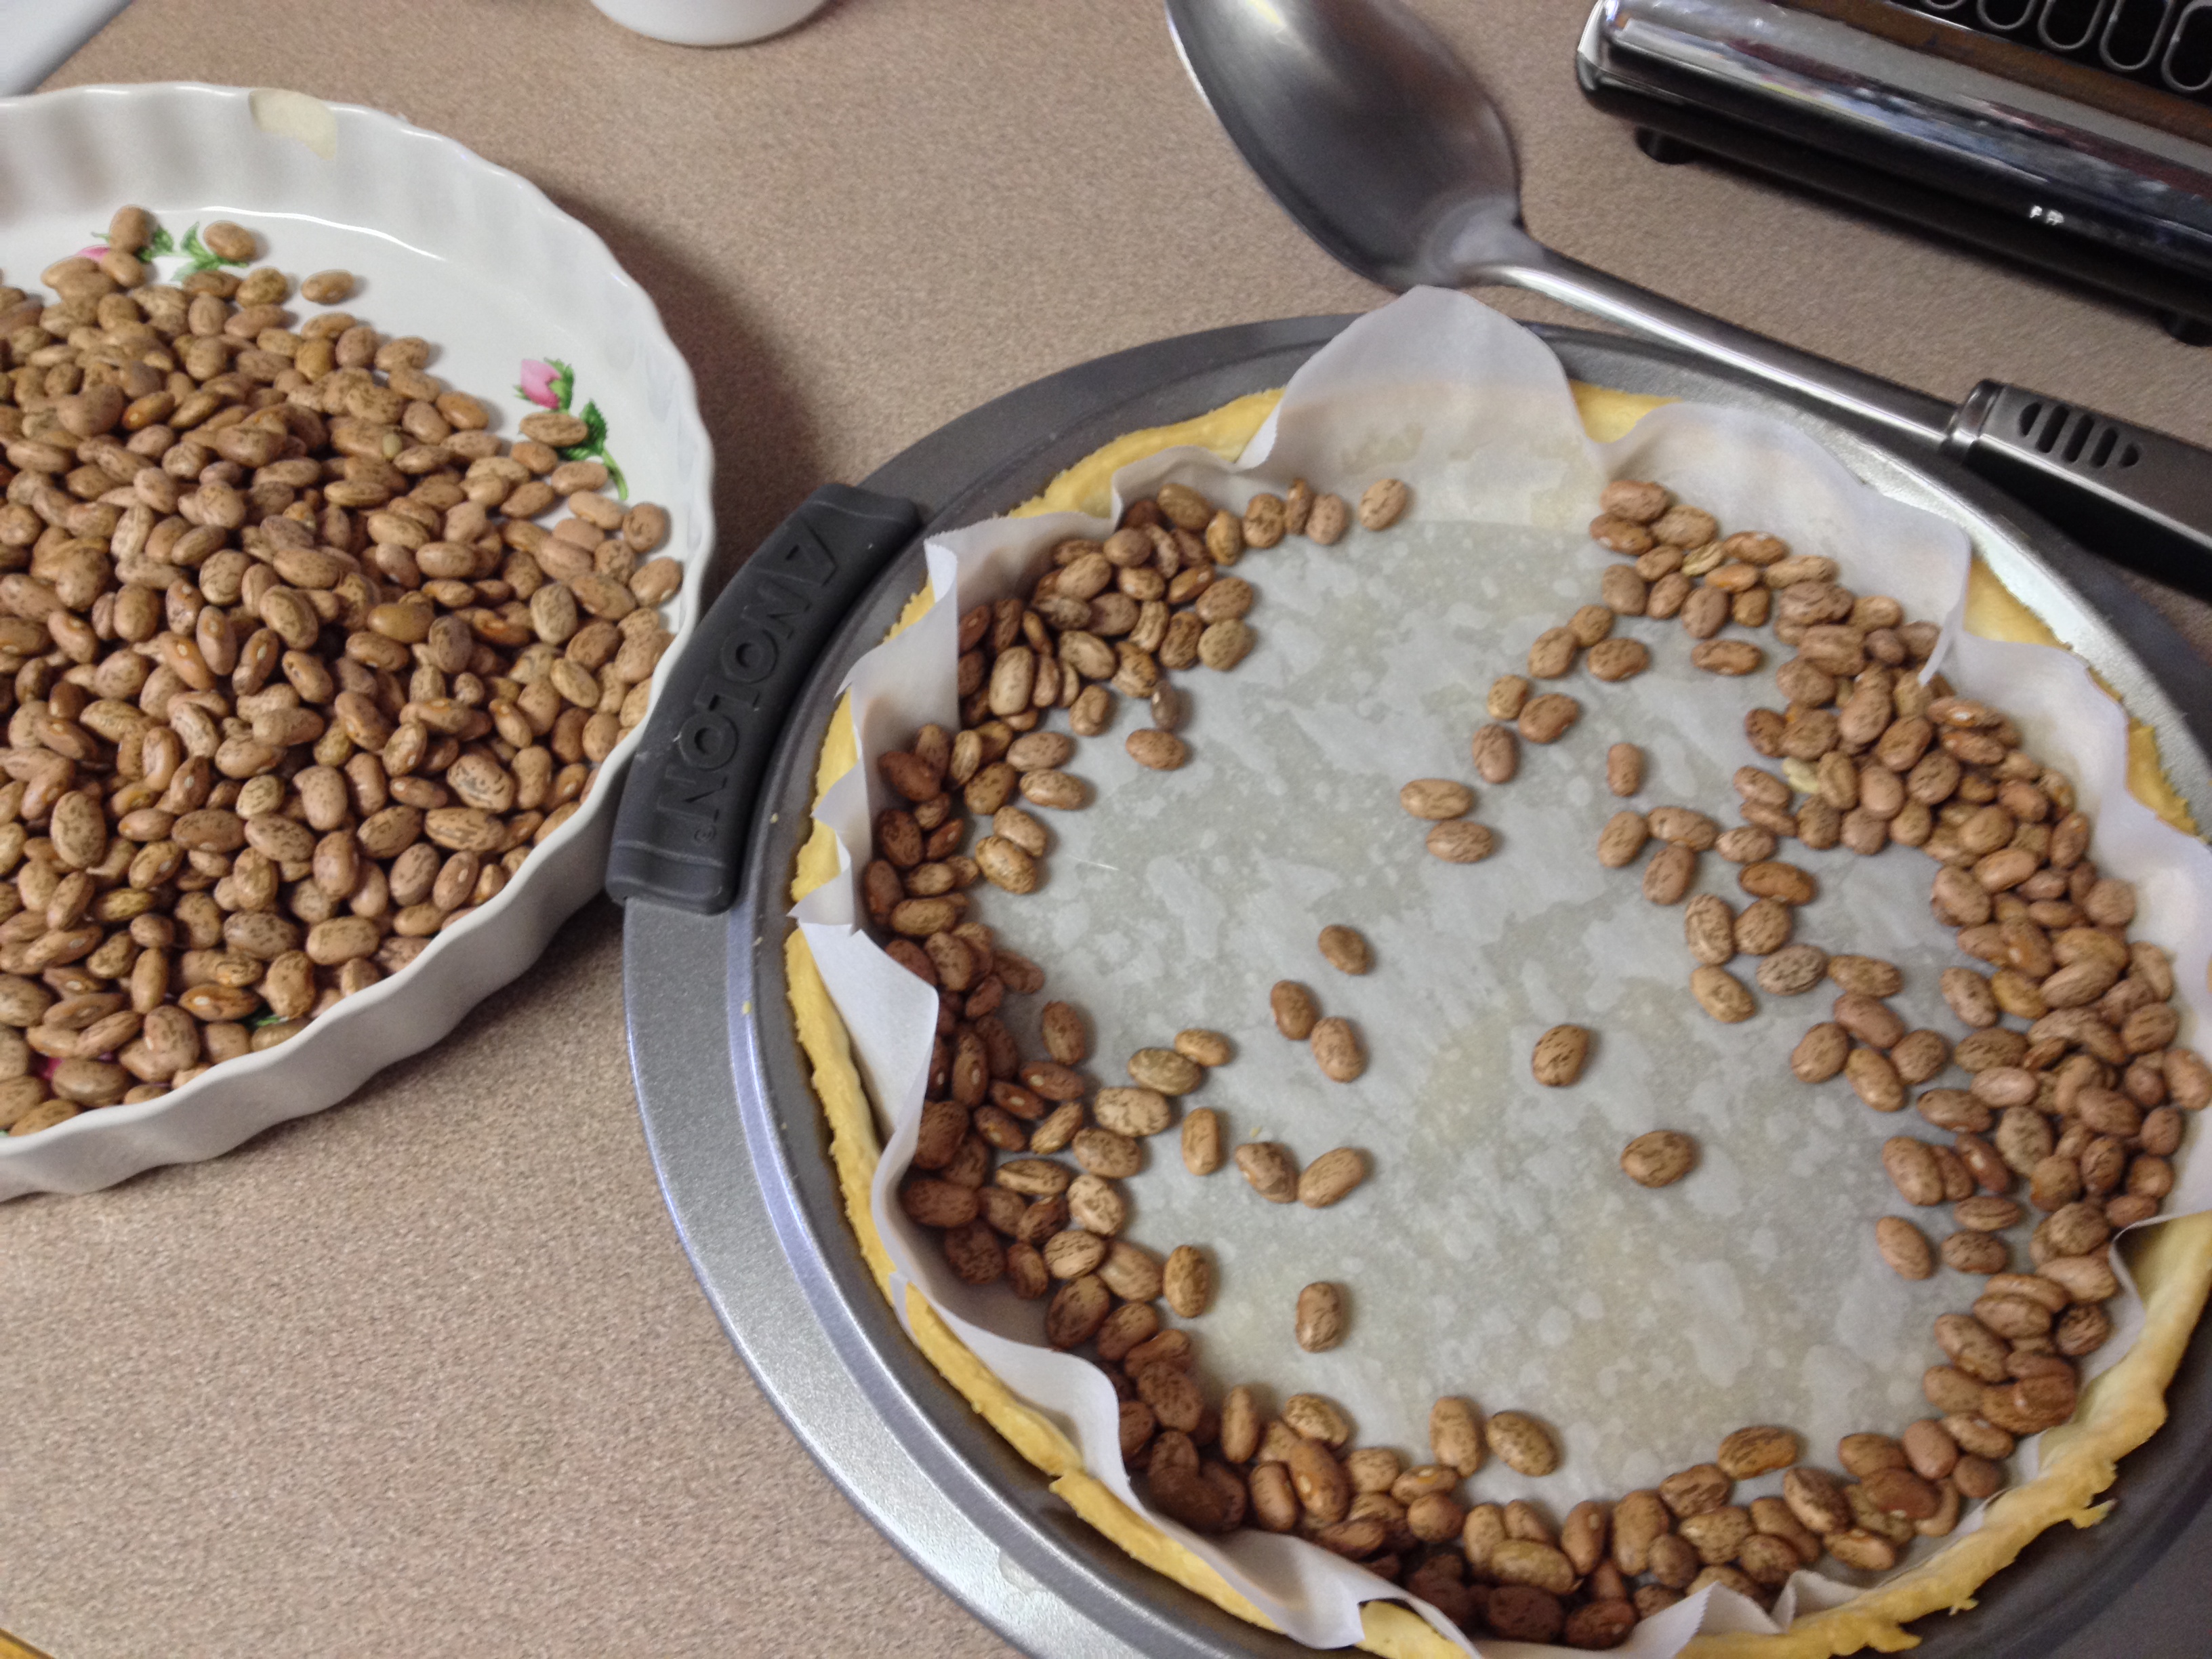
x=1495, y=1251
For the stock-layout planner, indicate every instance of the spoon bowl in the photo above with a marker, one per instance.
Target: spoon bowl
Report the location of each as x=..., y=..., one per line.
x=1372, y=134
x=1368, y=130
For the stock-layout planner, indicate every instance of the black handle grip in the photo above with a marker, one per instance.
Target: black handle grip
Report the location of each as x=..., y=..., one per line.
x=686, y=812
x=2137, y=496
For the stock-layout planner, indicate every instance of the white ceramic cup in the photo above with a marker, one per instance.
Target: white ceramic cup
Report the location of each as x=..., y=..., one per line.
x=708, y=22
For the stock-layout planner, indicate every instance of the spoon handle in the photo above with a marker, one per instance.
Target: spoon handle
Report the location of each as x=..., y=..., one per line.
x=2134, y=494
x=1900, y=411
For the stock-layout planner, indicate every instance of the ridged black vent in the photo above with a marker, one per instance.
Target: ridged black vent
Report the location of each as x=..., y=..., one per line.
x=2166, y=44
x=2075, y=437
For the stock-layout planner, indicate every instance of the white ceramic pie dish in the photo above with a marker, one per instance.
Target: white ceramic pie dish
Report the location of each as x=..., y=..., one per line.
x=475, y=259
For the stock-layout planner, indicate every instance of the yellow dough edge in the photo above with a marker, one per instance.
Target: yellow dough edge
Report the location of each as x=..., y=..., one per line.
x=1087, y=487
x=2119, y=1411
x=1995, y=613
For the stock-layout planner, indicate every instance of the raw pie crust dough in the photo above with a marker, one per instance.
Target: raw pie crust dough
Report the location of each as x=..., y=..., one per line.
x=2119, y=1410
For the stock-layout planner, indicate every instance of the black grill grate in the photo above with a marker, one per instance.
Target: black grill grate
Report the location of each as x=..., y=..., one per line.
x=2165, y=43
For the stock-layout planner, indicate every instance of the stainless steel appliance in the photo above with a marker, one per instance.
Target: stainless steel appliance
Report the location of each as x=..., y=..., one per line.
x=2073, y=136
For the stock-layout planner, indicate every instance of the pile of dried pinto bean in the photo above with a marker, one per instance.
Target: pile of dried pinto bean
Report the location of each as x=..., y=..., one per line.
x=296, y=680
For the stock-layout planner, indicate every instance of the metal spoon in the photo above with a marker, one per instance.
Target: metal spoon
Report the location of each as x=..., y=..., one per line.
x=1381, y=144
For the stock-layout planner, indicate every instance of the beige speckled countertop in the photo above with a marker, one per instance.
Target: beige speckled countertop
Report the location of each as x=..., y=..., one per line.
x=428, y=1372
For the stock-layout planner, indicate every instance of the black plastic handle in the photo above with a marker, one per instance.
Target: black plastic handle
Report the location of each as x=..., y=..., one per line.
x=680, y=832
x=2135, y=495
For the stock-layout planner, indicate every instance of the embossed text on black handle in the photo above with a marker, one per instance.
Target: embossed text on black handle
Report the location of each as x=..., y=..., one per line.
x=686, y=812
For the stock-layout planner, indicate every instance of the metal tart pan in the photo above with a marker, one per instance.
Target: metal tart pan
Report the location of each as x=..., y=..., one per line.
x=739, y=1148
